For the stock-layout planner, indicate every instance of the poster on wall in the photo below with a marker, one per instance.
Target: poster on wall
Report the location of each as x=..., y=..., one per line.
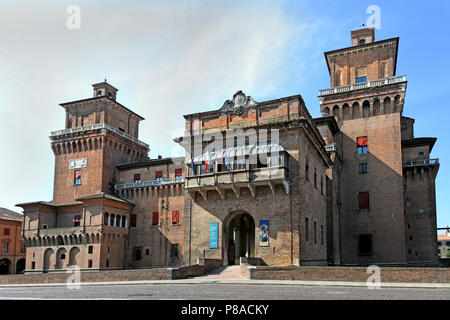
x=213, y=235
x=263, y=233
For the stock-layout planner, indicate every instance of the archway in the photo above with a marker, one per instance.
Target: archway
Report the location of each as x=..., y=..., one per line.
x=74, y=253
x=239, y=237
x=20, y=266
x=48, y=259
x=61, y=256
x=4, y=266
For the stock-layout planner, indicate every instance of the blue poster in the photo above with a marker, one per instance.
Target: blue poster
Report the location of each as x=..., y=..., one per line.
x=264, y=233
x=213, y=235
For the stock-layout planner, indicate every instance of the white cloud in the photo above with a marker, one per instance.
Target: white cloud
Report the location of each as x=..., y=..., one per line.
x=166, y=58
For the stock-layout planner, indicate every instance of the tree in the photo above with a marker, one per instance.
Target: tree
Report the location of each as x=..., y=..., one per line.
x=447, y=255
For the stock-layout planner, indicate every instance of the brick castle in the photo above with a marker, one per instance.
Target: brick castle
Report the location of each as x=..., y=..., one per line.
x=353, y=187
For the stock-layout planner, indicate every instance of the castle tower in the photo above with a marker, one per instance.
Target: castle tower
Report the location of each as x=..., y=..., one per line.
x=99, y=134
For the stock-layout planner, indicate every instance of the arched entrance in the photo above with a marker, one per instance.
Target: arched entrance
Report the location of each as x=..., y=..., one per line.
x=20, y=266
x=239, y=237
x=4, y=266
x=73, y=256
x=48, y=259
x=61, y=256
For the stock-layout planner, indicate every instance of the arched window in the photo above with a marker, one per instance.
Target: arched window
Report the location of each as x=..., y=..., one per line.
x=326, y=112
x=106, y=219
x=112, y=221
x=118, y=221
x=124, y=222
x=366, y=109
x=336, y=111
x=362, y=42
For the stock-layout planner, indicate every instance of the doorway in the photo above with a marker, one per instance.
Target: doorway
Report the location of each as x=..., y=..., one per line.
x=239, y=238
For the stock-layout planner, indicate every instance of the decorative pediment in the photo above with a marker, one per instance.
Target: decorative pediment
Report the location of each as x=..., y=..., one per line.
x=239, y=102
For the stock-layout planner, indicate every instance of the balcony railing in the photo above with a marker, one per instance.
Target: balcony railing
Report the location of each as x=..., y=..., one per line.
x=419, y=163
x=364, y=85
x=152, y=183
x=98, y=126
x=60, y=231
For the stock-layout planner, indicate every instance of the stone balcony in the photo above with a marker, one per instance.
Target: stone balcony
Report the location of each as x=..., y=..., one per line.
x=363, y=85
x=236, y=179
x=420, y=163
x=152, y=183
x=54, y=135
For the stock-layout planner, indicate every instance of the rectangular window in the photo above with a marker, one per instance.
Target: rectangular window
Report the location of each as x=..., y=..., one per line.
x=362, y=145
x=89, y=263
x=174, y=251
x=76, y=221
x=77, y=177
x=137, y=254
x=158, y=175
x=365, y=244
x=147, y=252
x=363, y=200
x=175, y=217
x=315, y=232
x=133, y=220
x=5, y=247
x=137, y=177
x=178, y=173
x=307, y=169
x=362, y=168
x=155, y=218
x=361, y=79
x=33, y=265
x=6, y=232
x=307, y=229
x=315, y=178
x=321, y=185
x=321, y=234
x=91, y=249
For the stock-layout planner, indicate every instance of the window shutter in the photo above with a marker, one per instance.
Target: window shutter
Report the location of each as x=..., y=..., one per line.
x=362, y=142
x=77, y=174
x=77, y=218
x=178, y=172
x=155, y=220
x=137, y=177
x=363, y=200
x=158, y=174
x=133, y=220
x=175, y=217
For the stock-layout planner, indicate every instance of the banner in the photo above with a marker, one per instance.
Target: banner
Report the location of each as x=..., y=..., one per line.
x=213, y=235
x=263, y=233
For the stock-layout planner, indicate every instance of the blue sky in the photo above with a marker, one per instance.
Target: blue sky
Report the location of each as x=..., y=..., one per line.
x=170, y=58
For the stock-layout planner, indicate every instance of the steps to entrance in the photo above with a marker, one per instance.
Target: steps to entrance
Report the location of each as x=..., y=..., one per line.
x=223, y=273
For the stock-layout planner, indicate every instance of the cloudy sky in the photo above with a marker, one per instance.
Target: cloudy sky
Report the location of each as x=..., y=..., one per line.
x=170, y=58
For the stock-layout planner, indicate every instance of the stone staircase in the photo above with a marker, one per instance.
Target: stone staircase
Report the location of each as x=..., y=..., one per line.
x=223, y=273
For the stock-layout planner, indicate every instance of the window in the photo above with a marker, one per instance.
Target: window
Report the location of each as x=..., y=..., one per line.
x=155, y=218
x=315, y=178
x=33, y=265
x=176, y=217
x=321, y=234
x=6, y=232
x=315, y=232
x=307, y=229
x=63, y=256
x=77, y=177
x=362, y=168
x=137, y=177
x=420, y=154
x=307, y=169
x=158, y=175
x=361, y=79
x=133, y=220
x=178, y=173
x=366, y=109
x=44, y=226
x=147, y=252
x=137, y=254
x=174, y=251
x=91, y=249
x=362, y=42
x=106, y=219
x=89, y=263
x=22, y=248
x=362, y=145
x=239, y=164
x=363, y=199
x=5, y=247
x=107, y=263
x=365, y=244
x=447, y=243
x=76, y=221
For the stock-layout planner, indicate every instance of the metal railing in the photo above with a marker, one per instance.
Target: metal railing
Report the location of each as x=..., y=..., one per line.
x=418, y=163
x=98, y=126
x=358, y=86
x=152, y=183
